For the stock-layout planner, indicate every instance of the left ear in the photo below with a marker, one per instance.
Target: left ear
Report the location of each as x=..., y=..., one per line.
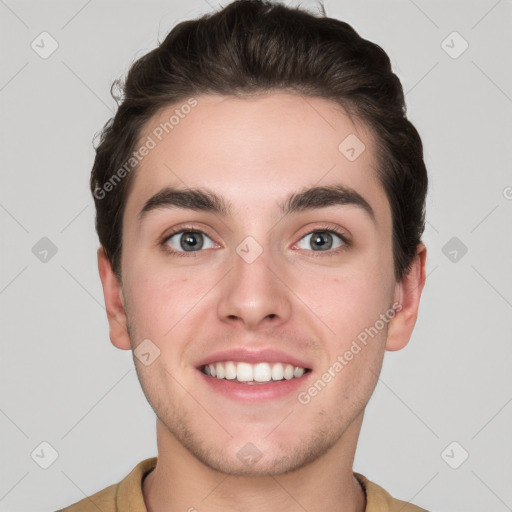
x=407, y=295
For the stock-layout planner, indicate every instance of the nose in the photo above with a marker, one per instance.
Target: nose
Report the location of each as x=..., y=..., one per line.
x=254, y=294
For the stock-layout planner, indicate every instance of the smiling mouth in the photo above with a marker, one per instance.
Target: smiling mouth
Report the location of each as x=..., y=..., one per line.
x=259, y=373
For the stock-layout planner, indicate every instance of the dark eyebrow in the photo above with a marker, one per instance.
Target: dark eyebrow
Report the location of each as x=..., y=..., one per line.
x=191, y=198
x=322, y=197
x=202, y=199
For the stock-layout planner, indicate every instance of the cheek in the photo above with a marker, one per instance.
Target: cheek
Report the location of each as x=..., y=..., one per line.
x=162, y=296
x=156, y=301
x=348, y=303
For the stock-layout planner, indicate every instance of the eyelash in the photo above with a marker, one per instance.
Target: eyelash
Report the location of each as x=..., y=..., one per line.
x=321, y=229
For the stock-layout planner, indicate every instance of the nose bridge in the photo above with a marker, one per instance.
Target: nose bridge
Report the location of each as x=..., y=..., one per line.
x=252, y=293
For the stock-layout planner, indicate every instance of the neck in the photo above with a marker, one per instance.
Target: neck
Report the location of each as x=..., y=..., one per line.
x=181, y=482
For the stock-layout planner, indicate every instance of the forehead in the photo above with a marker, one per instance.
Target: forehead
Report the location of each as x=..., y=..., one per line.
x=256, y=151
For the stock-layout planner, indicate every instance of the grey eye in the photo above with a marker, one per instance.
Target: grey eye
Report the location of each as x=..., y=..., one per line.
x=189, y=241
x=321, y=241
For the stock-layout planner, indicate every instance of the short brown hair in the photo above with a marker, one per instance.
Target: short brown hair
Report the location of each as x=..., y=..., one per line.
x=253, y=46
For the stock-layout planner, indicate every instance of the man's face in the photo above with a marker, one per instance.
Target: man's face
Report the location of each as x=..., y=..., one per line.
x=257, y=285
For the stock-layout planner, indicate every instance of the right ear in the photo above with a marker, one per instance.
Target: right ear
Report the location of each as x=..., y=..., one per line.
x=114, y=303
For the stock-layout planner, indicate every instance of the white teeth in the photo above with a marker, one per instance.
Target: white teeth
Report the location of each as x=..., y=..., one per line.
x=259, y=372
x=230, y=370
x=288, y=372
x=244, y=372
x=262, y=372
x=277, y=371
x=298, y=372
x=219, y=369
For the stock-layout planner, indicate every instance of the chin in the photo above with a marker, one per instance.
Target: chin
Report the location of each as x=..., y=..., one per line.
x=264, y=467
x=261, y=458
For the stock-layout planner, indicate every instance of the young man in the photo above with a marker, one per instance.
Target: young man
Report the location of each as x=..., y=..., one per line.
x=260, y=201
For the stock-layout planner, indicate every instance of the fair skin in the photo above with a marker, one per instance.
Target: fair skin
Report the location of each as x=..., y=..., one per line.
x=296, y=298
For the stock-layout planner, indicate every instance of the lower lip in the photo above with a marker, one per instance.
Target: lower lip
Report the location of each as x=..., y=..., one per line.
x=256, y=392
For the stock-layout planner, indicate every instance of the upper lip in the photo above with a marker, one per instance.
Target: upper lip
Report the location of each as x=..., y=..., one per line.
x=268, y=355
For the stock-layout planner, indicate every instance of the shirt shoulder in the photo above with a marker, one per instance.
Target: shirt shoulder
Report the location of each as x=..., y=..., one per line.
x=125, y=496
x=379, y=500
x=104, y=500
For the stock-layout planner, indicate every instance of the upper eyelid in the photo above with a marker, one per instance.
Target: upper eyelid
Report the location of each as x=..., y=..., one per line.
x=337, y=231
x=185, y=229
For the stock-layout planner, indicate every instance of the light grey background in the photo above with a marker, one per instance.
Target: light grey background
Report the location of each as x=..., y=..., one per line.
x=64, y=383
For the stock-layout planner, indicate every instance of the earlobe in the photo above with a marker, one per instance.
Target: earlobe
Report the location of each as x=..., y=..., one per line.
x=114, y=303
x=407, y=295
